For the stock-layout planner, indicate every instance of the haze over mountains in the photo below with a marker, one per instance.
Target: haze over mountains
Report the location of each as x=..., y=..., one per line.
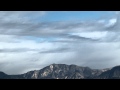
x=63, y=71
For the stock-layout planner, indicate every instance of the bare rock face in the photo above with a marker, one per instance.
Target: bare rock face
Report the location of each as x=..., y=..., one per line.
x=63, y=71
x=59, y=71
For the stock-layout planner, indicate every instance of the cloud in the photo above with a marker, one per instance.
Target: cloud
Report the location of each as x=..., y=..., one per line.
x=58, y=50
x=27, y=43
x=15, y=50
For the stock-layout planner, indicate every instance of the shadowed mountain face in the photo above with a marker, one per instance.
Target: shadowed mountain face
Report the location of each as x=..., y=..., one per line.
x=114, y=73
x=4, y=76
x=62, y=71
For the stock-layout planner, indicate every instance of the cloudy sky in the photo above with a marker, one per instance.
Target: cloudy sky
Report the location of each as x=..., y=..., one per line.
x=31, y=40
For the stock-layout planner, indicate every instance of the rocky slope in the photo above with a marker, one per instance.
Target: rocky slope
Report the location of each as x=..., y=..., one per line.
x=114, y=73
x=63, y=71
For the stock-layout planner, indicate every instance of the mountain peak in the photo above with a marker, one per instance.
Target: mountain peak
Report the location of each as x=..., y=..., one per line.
x=63, y=71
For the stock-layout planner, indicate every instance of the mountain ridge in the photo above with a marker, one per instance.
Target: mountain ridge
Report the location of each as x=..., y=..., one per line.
x=63, y=71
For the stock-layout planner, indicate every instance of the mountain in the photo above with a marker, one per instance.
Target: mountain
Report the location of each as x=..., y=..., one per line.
x=114, y=73
x=63, y=71
x=4, y=76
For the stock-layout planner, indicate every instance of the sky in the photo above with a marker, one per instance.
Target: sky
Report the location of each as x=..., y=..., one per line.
x=31, y=40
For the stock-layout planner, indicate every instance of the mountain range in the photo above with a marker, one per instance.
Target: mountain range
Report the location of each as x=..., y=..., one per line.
x=63, y=71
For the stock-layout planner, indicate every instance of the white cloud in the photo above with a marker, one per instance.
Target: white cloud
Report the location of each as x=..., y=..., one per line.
x=93, y=35
x=20, y=16
x=111, y=22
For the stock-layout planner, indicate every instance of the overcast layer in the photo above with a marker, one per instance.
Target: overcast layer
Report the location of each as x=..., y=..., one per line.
x=28, y=44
